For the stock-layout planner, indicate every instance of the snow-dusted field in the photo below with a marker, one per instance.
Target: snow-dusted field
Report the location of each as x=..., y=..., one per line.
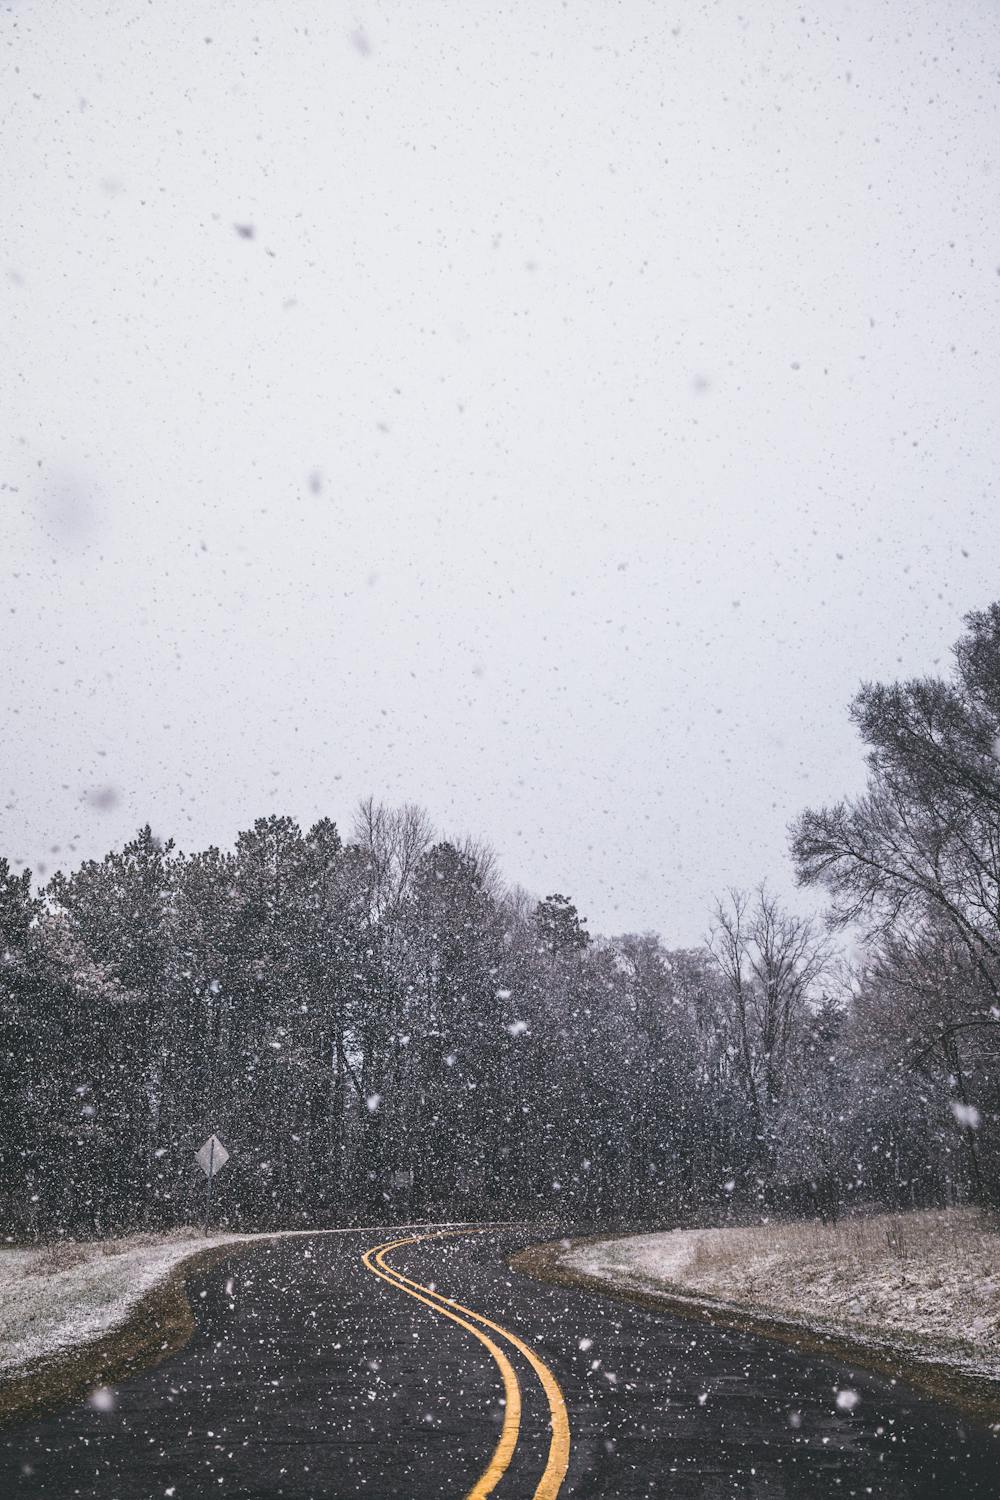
x=56, y=1297
x=928, y=1282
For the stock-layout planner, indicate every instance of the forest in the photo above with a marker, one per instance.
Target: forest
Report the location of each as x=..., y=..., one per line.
x=379, y=1028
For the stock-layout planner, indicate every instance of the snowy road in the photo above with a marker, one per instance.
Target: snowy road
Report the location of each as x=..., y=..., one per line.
x=330, y=1367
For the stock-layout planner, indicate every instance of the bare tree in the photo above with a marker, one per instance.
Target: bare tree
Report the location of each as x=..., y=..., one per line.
x=770, y=961
x=923, y=843
x=394, y=839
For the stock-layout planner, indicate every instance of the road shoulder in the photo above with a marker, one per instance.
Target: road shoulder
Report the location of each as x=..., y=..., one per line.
x=975, y=1395
x=156, y=1326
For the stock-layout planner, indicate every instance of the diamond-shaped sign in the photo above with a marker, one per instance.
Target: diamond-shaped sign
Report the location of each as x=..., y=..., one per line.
x=212, y=1156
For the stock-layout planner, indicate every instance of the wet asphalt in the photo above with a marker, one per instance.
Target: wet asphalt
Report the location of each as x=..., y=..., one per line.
x=308, y=1377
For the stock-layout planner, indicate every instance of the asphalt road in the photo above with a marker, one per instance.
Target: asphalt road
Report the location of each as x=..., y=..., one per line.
x=316, y=1371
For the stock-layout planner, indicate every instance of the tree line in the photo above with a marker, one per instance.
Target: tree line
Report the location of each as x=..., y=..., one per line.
x=379, y=1028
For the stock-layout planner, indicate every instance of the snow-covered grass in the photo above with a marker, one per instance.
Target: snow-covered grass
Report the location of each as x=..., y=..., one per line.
x=57, y=1297
x=926, y=1282
x=60, y=1297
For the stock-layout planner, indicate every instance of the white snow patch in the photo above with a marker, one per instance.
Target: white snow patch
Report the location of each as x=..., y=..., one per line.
x=58, y=1296
x=927, y=1282
x=54, y=1297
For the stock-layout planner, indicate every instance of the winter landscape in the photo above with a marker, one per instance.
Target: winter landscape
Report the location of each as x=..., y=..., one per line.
x=500, y=844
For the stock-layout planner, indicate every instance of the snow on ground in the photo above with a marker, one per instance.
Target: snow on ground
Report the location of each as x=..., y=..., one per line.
x=58, y=1296
x=927, y=1282
x=54, y=1297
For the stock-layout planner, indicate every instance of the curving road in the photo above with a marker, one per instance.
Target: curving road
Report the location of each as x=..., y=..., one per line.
x=422, y=1366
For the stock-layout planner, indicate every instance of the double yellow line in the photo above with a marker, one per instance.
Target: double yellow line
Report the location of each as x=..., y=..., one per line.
x=558, y=1458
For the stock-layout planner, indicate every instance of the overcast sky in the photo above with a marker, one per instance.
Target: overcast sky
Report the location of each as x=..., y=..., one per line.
x=546, y=413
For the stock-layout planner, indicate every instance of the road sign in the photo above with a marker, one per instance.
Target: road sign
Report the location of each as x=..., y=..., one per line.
x=212, y=1156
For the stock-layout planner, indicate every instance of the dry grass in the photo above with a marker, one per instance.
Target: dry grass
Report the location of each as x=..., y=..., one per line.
x=932, y=1274
x=59, y=1256
x=929, y=1279
x=659, y=1271
x=862, y=1246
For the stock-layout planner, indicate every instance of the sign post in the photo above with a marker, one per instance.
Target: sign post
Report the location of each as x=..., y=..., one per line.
x=211, y=1157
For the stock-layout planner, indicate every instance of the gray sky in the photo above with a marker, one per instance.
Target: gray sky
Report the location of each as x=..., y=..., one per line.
x=603, y=391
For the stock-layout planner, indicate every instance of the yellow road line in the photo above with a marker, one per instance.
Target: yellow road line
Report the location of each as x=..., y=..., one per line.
x=559, y=1442
x=504, y=1450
